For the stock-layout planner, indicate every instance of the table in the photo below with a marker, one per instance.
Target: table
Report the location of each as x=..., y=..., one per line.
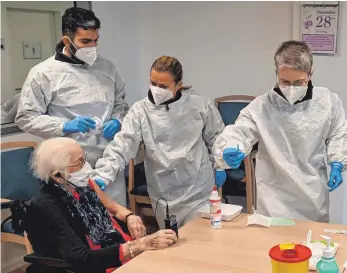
x=233, y=248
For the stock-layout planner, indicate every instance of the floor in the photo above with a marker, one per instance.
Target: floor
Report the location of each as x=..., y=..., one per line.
x=19, y=270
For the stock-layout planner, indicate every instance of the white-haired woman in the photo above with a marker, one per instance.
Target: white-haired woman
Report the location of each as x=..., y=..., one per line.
x=79, y=223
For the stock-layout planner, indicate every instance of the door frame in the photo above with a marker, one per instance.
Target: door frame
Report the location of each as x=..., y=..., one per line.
x=58, y=9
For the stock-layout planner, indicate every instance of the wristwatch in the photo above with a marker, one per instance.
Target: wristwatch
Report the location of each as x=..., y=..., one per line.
x=126, y=217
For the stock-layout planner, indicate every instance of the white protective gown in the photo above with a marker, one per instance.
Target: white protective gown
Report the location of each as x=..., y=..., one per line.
x=55, y=92
x=295, y=145
x=178, y=143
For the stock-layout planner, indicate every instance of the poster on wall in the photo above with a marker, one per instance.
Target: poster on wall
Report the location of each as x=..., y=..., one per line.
x=319, y=25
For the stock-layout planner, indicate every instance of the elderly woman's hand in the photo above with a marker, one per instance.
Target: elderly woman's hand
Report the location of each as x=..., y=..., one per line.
x=135, y=226
x=161, y=239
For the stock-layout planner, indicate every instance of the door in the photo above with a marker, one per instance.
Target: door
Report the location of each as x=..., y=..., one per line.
x=32, y=40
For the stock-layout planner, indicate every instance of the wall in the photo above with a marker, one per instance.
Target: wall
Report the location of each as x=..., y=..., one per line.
x=217, y=42
x=120, y=42
x=7, y=87
x=225, y=48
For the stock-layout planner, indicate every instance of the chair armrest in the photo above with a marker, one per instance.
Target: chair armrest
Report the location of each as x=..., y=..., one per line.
x=5, y=205
x=45, y=261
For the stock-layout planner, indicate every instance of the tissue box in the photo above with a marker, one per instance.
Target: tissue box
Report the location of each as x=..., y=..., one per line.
x=229, y=212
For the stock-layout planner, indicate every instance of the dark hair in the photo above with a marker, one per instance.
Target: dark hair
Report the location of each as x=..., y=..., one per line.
x=75, y=18
x=171, y=65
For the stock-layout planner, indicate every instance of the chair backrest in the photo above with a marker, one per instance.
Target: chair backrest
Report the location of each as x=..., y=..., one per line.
x=231, y=106
x=17, y=181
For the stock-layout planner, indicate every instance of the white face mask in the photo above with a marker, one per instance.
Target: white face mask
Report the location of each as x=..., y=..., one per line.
x=293, y=93
x=160, y=95
x=87, y=54
x=80, y=178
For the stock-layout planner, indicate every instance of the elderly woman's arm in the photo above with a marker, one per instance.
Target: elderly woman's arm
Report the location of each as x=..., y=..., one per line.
x=134, y=223
x=75, y=252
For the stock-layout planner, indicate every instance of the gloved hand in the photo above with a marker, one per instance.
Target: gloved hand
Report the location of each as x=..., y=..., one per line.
x=220, y=177
x=335, y=176
x=78, y=124
x=100, y=183
x=233, y=157
x=111, y=128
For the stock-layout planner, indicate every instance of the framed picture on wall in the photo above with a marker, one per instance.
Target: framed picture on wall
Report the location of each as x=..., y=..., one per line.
x=32, y=50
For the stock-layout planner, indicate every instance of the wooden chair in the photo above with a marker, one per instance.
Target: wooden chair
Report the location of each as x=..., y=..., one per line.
x=229, y=108
x=17, y=183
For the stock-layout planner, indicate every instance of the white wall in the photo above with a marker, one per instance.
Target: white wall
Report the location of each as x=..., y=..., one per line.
x=225, y=48
x=120, y=41
x=7, y=86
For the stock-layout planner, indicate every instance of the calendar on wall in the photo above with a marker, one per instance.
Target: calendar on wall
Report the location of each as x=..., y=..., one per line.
x=319, y=25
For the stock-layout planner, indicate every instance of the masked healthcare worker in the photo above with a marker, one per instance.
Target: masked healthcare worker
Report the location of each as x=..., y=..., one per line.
x=300, y=129
x=76, y=94
x=178, y=129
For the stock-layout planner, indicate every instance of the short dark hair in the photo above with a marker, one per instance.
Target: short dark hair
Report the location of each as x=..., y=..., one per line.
x=75, y=18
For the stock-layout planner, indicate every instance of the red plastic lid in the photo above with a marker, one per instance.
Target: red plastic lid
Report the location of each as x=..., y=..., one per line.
x=290, y=253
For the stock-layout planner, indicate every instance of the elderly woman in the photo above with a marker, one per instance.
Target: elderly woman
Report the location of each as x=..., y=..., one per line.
x=76, y=221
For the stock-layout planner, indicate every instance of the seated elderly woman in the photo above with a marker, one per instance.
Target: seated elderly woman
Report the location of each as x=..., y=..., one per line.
x=72, y=219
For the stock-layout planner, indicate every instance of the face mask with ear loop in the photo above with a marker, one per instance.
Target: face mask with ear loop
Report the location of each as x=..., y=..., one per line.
x=79, y=178
x=161, y=95
x=85, y=54
x=293, y=93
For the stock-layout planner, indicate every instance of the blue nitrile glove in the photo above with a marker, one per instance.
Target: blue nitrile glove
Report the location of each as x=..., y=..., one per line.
x=233, y=157
x=220, y=177
x=111, y=128
x=100, y=183
x=335, y=176
x=78, y=124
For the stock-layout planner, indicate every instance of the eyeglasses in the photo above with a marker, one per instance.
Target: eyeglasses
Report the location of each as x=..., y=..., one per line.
x=301, y=82
x=81, y=162
x=282, y=82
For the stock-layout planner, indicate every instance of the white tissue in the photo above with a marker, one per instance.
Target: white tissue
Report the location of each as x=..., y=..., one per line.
x=260, y=220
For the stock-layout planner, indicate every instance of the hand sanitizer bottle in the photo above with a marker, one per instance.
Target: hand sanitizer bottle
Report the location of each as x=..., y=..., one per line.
x=327, y=263
x=215, y=210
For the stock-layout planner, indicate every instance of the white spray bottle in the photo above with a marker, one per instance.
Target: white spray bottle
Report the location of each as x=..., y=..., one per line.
x=215, y=209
